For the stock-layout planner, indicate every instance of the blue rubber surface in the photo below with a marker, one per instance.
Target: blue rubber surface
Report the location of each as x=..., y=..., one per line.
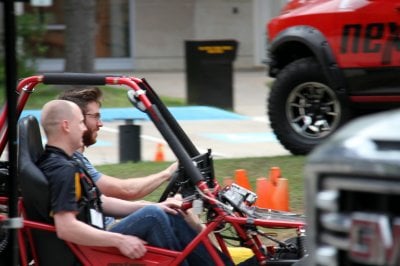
x=180, y=113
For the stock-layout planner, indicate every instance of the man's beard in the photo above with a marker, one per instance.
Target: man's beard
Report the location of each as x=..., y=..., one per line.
x=88, y=138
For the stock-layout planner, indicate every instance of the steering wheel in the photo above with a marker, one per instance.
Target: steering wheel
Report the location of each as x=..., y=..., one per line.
x=178, y=182
x=172, y=187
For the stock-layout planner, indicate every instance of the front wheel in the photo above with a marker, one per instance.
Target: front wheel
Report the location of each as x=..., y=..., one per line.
x=303, y=109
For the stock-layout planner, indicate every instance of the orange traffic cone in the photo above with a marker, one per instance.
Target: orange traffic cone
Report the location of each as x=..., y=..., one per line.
x=264, y=191
x=159, y=155
x=241, y=179
x=274, y=174
x=281, y=196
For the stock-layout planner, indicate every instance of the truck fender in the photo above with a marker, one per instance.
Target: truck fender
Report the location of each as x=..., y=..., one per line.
x=317, y=43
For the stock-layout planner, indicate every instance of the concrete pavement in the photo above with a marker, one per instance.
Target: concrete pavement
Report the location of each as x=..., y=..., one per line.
x=228, y=138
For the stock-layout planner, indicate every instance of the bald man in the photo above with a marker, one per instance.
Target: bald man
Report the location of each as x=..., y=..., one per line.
x=78, y=207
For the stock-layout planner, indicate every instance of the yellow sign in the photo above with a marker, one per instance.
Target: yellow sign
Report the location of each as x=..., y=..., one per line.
x=215, y=49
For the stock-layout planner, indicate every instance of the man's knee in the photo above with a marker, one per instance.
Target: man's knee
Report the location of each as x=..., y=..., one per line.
x=156, y=212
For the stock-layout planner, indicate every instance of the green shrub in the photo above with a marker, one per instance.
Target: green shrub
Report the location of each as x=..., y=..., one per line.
x=29, y=35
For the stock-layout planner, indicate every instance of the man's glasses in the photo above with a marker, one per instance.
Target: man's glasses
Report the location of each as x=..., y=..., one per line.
x=96, y=116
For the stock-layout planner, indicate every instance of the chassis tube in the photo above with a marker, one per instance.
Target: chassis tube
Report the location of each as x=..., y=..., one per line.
x=75, y=79
x=169, y=118
x=174, y=143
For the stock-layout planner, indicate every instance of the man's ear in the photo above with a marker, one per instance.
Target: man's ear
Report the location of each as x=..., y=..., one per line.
x=65, y=125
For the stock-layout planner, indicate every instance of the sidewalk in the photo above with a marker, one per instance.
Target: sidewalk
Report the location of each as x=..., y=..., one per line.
x=249, y=88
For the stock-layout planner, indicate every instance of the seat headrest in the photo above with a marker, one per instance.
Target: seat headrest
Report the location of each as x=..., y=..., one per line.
x=34, y=185
x=29, y=137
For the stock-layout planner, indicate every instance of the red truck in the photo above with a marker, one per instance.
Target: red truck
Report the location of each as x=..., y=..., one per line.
x=332, y=60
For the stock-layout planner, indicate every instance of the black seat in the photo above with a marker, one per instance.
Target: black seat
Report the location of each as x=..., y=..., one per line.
x=35, y=192
x=33, y=182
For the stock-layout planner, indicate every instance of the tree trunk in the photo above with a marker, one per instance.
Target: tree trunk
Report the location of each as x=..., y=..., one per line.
x=80, y=46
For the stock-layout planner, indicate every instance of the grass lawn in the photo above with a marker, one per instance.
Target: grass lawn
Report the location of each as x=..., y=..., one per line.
x=291, y=168
x=112, y=97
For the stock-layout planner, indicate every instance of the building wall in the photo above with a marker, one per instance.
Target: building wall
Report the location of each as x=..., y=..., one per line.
x=227, y=19
x=159, y=28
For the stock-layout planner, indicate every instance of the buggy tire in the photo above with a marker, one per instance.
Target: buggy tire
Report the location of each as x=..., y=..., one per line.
x=303, y=109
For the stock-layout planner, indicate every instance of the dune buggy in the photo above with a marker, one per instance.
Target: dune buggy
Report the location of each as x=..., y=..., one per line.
x=230, y=212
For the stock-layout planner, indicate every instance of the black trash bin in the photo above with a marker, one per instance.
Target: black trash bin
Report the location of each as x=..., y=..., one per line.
x=129, y=142
x=209, y=72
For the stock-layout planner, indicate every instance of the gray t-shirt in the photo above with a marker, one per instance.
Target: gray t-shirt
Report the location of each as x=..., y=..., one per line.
x=94, y=174
x=92, y=171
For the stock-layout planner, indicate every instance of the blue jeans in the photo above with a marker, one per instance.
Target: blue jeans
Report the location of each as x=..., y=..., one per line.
x=164, y=230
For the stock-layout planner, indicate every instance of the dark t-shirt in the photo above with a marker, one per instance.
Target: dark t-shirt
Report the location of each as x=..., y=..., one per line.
x=62, y=174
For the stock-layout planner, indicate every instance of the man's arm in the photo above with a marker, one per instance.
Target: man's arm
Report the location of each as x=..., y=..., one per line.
x=120, y=208
x=134, y=188
x=70, y=229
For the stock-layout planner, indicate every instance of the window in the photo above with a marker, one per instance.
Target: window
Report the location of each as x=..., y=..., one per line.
x=112, y=28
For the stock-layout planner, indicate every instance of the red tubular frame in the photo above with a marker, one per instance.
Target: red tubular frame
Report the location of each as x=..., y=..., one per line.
x=24, y=88
x=154, y=256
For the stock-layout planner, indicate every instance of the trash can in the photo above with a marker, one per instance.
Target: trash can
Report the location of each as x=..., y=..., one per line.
x=209, y=72
x=129, y=142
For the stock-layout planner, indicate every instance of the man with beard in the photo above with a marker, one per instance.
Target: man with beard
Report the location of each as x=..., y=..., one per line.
x=89, y=100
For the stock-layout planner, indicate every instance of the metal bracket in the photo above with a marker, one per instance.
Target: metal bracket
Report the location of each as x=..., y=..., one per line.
x=13, y=223
x=139, y=92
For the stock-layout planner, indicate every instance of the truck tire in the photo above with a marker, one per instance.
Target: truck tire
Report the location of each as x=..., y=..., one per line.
x=303, y=109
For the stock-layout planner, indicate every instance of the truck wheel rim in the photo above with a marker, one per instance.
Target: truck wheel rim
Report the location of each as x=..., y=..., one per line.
x=313, y=110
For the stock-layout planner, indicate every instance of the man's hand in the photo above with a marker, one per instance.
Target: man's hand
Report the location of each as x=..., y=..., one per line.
x=192, y=219
x=170, y=205
x=132, y=247
x=171, y=170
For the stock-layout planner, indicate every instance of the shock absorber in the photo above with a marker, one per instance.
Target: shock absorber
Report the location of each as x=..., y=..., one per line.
x=301, y=242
